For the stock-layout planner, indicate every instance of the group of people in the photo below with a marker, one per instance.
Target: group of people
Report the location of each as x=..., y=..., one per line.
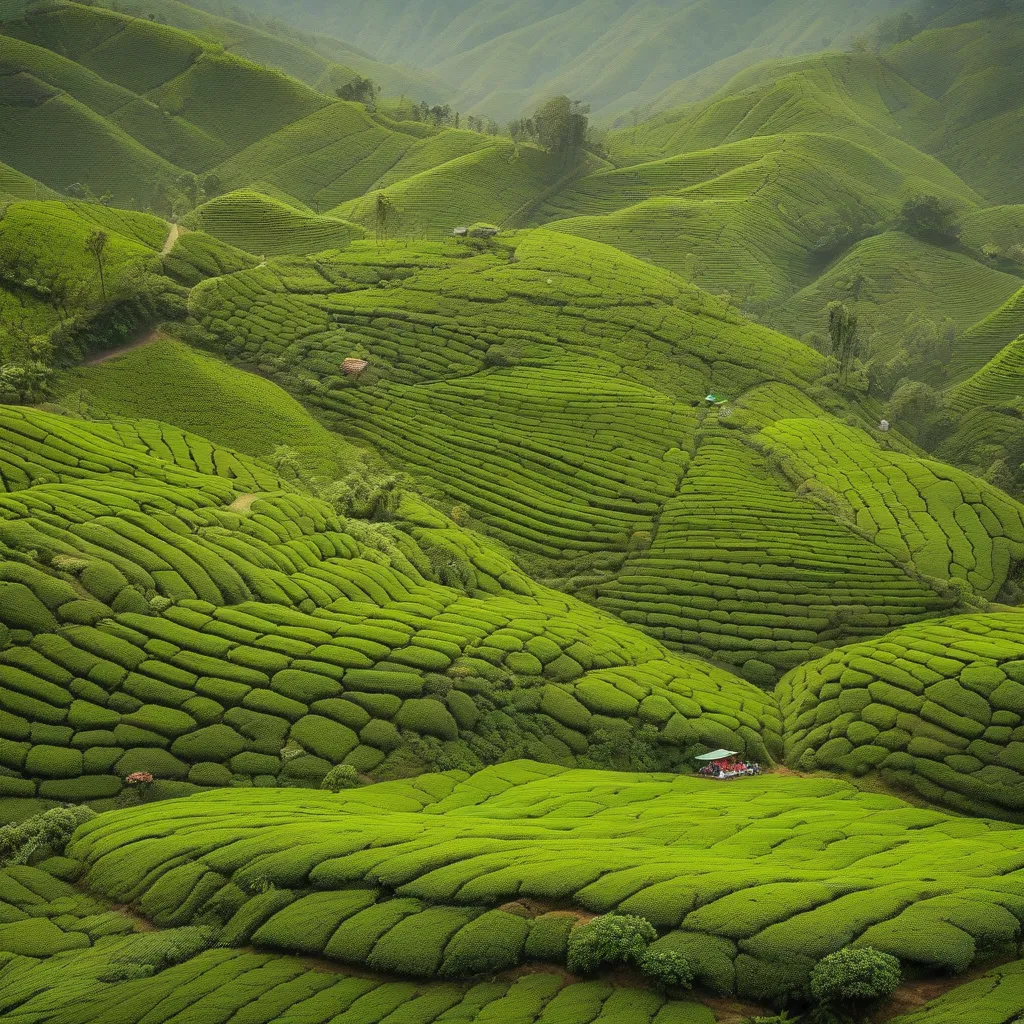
x=729, y=769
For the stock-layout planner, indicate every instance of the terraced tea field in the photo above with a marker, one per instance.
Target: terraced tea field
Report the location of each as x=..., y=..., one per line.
x=753, y=882
x=586, y=449
x=368, y=590
x=168, y=608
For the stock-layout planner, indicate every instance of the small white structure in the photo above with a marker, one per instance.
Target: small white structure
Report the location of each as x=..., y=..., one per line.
x=883, y=426
x=460, y=232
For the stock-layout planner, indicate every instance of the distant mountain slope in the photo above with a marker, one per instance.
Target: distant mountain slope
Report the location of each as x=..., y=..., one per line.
x=320, y=61
x=782, y=191
x=972, y=72
x=124, y=106
x=617, y=55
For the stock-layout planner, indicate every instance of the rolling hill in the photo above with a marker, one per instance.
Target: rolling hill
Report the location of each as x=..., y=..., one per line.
x=367, y=590
x=617, y=57
x=125, y=106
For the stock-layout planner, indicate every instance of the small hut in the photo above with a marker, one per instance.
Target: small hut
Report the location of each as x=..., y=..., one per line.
x=713, y=398
x=352, y=367
x=883, y=426
x=722, y=764
x=460, y=232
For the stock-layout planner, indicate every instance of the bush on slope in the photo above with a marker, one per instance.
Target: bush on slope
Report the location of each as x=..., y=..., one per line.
x=935, y=707
x=753, y=882
x=154, y=620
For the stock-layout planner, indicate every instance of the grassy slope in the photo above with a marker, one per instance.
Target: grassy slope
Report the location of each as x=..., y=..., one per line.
x=263, y=226
x=15, y=185
x=228, y=406
x=887, y=278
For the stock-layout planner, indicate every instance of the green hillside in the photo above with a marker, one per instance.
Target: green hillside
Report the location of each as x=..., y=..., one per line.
x=754, y=913
x=395, y=505
x=969, y=70
x=320, y=61
x=890, y=277
x=228, y=406
x=140, y=103
x=935, y=707
x=580, y=371
x=262, y=225
x=617, y=58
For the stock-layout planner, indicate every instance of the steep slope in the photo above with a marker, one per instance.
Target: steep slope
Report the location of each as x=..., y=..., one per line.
x=970, y=70
x=319, y=61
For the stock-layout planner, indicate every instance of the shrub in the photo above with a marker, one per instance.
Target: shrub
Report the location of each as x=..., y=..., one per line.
x=668, y=968
x=41, y=835
x=341, y=776
x=611, y=938
x=855, y=976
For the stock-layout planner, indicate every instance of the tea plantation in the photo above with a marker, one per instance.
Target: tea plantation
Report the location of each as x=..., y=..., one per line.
x=168, y=608
x=753, y=882
x=590, y=453
x=394, y=504
x=934, y=707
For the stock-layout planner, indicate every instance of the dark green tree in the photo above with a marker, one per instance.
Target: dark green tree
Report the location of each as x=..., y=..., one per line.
x=930, y=218
x=384, y=217
x=359, y=90
x=844, y=343
x=561, y=125
x=96, y=245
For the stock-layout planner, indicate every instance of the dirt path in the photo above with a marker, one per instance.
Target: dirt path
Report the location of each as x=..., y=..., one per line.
x=140, y=342
x=243, y=502
x=172, y=238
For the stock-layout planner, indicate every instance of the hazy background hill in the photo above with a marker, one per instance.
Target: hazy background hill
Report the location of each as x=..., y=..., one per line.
x=615, y=54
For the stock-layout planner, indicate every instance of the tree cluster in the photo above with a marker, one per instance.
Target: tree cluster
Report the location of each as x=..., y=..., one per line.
x=929, y=218
x=359, y=90
x=560, y=125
